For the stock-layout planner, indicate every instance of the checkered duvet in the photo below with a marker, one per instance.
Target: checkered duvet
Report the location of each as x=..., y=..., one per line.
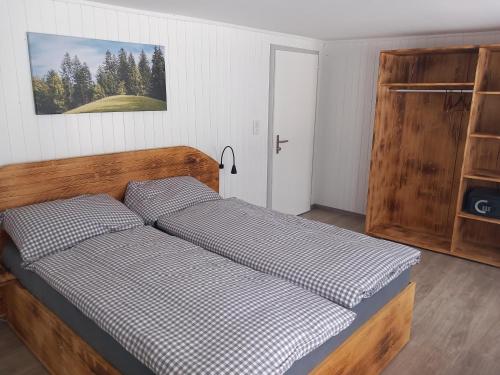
x=183, y=310
x=335, y=263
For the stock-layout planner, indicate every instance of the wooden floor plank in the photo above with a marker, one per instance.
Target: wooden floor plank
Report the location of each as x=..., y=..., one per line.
x=15, y=358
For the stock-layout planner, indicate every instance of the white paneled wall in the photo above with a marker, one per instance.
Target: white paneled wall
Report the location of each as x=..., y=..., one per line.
x=344, y=124
x=217, y=85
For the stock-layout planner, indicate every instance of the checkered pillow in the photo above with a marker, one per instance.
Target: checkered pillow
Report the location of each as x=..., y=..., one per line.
x=46, y=228
x=154, y=198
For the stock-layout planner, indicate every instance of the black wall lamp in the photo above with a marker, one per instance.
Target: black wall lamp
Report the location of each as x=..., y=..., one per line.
x=221, y=166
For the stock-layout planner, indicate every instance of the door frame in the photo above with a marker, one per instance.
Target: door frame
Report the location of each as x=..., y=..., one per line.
x=270, y=120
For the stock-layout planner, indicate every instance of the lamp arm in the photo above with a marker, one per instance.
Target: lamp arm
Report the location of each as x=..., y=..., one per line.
x=222, y=156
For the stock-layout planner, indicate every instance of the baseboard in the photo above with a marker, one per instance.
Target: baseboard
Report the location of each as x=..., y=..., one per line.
x=336, y=210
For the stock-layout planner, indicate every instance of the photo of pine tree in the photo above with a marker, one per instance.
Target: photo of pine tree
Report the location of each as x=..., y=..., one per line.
x=81, y=75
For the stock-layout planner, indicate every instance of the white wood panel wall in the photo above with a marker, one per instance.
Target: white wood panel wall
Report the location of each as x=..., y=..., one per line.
x=217, y=85
x=344, y=126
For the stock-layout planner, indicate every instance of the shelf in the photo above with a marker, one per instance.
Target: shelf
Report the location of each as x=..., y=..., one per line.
x=485, y=136
x=483, y=175
x=413, y=238
x=431, y=86
x=485, y=219
x=481, y=253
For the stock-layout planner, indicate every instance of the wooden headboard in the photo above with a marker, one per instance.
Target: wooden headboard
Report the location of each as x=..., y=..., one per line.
x=28, y=183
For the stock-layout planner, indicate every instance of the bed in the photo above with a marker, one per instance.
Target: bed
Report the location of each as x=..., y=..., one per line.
x=375, y=341
x=338, y=264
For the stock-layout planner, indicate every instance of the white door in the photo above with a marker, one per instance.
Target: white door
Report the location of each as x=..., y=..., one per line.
x=293, y=106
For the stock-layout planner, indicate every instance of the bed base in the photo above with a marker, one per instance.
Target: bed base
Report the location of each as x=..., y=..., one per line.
x=375, y=344
x=52, y=342
x=368, y=351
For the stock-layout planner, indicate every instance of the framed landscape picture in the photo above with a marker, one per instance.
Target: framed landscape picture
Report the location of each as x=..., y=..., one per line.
x=81, y=75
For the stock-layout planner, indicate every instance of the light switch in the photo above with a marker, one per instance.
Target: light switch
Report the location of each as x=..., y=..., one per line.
x=256, y=127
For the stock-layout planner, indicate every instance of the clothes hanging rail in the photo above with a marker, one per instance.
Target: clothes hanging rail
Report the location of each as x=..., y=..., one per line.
x=442, y=91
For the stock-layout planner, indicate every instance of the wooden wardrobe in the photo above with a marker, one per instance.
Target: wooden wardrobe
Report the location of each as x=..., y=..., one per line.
x=436, y=135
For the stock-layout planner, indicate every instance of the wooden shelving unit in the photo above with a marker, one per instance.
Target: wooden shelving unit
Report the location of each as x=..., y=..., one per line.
x=478, y=237
x=430, y=149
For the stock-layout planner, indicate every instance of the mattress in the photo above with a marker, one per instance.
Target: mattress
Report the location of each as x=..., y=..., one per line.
x=126, y=363
x=337, y=264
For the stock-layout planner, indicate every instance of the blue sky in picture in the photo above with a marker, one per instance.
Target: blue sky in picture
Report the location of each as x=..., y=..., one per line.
x=47, y=51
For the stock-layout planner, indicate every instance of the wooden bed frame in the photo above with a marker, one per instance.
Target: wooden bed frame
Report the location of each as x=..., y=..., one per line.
x=367, y=351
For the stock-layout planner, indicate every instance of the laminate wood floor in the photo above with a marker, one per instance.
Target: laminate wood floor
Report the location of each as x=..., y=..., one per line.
x=456, y=325
x=456, y=322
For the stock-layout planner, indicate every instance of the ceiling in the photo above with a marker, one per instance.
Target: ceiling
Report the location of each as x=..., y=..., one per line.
x=337, y=19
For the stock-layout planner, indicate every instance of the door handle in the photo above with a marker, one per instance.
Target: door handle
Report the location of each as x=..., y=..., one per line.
x=278, y=142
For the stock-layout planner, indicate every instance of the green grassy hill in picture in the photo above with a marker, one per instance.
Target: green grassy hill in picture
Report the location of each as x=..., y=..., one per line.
x=122, y=103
